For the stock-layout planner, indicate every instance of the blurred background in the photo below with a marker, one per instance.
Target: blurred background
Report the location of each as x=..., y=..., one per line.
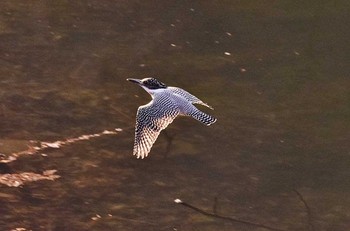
x=276, y=72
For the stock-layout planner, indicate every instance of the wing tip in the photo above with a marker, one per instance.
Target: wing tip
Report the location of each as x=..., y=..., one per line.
x=140, y=155
x=209, y=106
x=205, y=104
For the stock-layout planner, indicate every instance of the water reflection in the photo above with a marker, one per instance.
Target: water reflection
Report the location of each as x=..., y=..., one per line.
x=276, y=74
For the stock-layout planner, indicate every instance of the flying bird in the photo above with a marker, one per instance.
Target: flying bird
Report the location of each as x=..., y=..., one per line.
x=166, y=104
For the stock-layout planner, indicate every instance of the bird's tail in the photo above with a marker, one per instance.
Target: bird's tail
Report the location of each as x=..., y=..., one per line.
x=202, y=117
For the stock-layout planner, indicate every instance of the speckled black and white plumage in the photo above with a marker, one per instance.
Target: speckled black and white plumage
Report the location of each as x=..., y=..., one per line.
x=167, y=103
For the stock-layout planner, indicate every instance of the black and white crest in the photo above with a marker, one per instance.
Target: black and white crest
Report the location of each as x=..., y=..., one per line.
x=153, y=83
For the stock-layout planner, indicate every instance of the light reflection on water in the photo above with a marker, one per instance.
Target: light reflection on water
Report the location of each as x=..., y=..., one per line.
x=275, y=74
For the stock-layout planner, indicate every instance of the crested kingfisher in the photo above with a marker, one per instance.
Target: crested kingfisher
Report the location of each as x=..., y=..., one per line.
x=166, y=104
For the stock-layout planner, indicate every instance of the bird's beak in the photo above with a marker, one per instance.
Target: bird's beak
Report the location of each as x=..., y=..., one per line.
x=134, y=81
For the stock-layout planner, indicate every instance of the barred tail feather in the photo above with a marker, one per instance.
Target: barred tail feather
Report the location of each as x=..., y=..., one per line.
x=204, y=118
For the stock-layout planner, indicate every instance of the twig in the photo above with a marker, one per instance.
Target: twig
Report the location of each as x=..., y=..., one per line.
x=308, y=210
x=178, y=201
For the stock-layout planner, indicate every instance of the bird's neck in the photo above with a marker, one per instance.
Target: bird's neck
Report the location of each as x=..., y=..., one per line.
x=154, y=92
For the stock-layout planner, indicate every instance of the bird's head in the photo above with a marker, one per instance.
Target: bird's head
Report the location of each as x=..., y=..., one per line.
x=149, y=83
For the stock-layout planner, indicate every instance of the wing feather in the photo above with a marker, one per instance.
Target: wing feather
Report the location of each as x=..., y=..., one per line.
x=150, y=121
x=188, y=96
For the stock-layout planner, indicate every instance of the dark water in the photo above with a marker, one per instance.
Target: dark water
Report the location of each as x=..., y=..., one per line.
x=276, y=72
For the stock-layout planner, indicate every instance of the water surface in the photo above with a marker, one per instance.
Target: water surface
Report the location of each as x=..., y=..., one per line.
x=275, y=72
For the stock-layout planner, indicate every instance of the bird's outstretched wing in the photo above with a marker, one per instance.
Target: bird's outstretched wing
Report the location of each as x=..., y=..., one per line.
x=151, y=119
x=188, y=96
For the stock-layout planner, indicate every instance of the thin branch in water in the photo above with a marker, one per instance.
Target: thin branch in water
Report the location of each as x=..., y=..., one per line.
x=235, y=220
x=311, y=226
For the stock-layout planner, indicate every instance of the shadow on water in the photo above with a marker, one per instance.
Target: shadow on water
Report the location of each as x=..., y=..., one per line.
x=275, y=72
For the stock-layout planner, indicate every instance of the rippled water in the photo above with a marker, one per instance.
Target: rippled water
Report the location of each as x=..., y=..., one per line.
x=275, y=72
